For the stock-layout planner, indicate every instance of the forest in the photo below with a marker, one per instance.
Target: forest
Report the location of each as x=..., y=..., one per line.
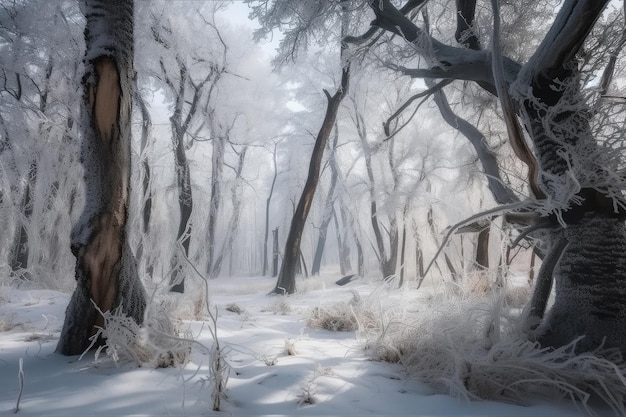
x=320, y=207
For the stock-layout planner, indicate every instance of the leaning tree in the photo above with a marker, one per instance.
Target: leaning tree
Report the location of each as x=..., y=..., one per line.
x=106, y=271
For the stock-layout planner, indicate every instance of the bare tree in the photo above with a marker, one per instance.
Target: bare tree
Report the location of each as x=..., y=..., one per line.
x=286, y=279
x=106, y=272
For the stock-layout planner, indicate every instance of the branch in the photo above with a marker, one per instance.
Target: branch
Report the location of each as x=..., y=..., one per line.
x=361, y=39
x=485, y=215
x=537, y=306
x=565, y=37
x=425, y=93
x=501, y=193
x=465, y=35
x=445, y=61
x=516, y=135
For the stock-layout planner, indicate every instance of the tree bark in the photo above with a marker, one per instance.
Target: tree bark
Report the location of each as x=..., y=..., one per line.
x=106, y=272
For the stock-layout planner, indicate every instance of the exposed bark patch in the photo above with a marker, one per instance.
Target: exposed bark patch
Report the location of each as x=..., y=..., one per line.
x=105, y=99
x=102, y=262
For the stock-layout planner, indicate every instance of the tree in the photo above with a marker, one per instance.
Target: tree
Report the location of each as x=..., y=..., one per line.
x=291, y=257
x=286, y=283
x=106, y=272
x=577, y=193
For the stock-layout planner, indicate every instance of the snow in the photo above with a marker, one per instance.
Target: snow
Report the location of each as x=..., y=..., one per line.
x=329, y=369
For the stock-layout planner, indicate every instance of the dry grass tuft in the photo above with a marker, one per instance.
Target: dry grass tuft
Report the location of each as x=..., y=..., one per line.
x=279, y=306
x=475, y=350
x=343, y=316
x=234, y=308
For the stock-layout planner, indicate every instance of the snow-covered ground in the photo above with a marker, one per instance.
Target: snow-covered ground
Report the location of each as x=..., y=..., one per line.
x=329, y=374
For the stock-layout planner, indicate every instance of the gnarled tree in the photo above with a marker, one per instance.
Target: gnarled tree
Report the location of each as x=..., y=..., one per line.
x=574, y=174
x=106, y=272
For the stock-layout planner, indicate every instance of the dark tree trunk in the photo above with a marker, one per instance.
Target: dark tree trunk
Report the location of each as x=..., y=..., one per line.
x=146, y=129
x=419, y=257
x=360, y=257
x=482, y=249
x=106, y=271
x=185, y=204
x=275, y=253
x=402, y=254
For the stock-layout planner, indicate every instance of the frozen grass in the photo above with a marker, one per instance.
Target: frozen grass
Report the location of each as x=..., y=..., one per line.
x=474, y=349
x=279, y=306
x=343, y=316
x=155, y=345
x=8, y=323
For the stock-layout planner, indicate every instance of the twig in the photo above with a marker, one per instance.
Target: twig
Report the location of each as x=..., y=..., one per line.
x=20, y=378
x=484, y=214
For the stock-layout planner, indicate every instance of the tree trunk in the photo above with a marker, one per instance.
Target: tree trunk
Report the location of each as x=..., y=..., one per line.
x=185, y=204
x=286, y=280
x=590, y=285
x=217, y=161
x=328, y=208
x=482, y=249
x=419, y=257
x=233, y=223
x=106, y=271
x=360, y=257
x=20, y=251
x=275, y=253
x=343, y=246
x=267, y=211
x=146, y=211
x=402, y=254
x=590, y=279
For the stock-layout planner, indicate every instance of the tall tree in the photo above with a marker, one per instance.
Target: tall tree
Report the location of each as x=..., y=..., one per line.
x=286, y=283
x=106, y=271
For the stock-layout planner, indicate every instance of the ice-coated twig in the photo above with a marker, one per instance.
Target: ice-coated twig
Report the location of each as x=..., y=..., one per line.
x=20, y=379
x=481, y=215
